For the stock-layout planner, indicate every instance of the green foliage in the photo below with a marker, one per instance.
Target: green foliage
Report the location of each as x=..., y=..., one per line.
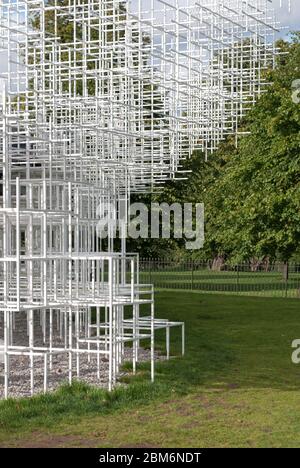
x=251, y=193
x=258, y=190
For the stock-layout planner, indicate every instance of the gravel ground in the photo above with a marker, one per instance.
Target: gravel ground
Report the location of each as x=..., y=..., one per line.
x=20, y=372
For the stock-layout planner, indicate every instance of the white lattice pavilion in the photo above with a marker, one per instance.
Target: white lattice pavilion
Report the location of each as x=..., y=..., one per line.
x=101, y=100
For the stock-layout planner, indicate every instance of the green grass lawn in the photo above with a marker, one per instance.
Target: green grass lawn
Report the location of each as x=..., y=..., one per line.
x=236, y=386
x=260, y=283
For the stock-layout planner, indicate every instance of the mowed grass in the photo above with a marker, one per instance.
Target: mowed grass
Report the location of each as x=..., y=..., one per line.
x=236, y=386
x=260, y=283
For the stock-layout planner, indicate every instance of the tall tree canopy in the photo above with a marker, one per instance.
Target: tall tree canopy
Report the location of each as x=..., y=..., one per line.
x=252, y=192
x=258, y=189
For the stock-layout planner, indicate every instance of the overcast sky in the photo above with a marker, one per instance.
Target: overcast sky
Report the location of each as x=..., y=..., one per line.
x=289, y=19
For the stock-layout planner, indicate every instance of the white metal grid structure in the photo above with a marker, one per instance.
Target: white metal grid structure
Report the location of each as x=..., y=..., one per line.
x=101, y=100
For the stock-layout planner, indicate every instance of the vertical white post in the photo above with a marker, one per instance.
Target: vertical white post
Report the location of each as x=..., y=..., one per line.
x=110, y=309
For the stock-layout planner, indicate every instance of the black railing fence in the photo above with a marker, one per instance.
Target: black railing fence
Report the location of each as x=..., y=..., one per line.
x=273, y=280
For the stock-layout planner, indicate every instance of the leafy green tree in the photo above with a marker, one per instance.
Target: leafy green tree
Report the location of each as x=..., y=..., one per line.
x=256, y=198
x=251, y=193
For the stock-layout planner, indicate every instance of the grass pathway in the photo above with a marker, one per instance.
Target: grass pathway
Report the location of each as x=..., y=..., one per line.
x=236, y=386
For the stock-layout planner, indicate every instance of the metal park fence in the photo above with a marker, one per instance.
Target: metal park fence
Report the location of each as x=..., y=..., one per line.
x=274, y=280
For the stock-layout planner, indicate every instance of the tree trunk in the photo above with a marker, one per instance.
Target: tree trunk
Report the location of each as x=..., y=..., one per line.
x=255, y=264
x=286, y=271
x=267, y=264
x=218, y=263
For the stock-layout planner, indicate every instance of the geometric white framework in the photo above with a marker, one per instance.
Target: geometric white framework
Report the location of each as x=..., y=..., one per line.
x=101, y=100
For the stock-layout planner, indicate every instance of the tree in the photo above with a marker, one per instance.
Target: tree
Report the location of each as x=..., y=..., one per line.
x=251, y=193
x=258, y=192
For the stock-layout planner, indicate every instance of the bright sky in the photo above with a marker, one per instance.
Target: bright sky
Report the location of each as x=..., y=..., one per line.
x=289, y=19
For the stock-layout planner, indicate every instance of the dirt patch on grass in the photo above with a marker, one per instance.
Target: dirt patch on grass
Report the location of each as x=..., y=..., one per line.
x=142, y=446
x=66, y=441
x=54, y=441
